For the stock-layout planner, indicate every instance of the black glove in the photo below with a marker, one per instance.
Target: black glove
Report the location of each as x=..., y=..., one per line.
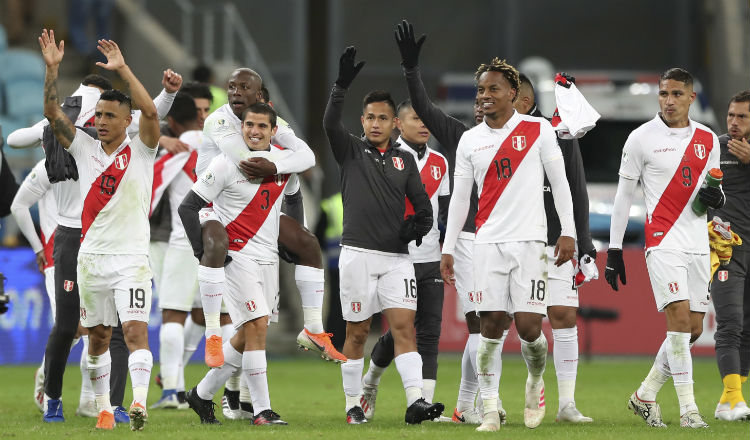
x=615, y=266
x=565, y=79
x=347, y=69
x=415, y=227
x=711, y=196
x=423, y=222
x=408, y=47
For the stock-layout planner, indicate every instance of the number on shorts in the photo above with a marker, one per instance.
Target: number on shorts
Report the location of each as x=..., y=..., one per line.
x=410, y=286
x=537, y=289
x=503, y=168
x=687, y=176
x=137, y=298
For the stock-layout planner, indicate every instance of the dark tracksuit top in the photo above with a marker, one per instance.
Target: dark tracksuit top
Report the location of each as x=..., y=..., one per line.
x=373, y=185
x=736, y=186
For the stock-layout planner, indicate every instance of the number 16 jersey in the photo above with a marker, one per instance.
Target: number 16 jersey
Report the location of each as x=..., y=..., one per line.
x=507, y=165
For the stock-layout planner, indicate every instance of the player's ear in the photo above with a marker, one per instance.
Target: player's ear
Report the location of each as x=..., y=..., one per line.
x=274, y=130
x=398, y=122
x=362, y=120
x=128, y=119
x=692, y=97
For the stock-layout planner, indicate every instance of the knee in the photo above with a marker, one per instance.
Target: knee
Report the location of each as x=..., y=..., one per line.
x=472, y=322
x=356, y=336
x=695, y=334
x=215, y=246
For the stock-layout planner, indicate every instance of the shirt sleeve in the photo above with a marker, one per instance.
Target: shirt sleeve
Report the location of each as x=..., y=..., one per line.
x=303, y=159
x=464, y=167
x=445, y=183
x=82, y=143
x=714, y=158
x=211, y=182
x=28, y=137
x=549, y=150
x=292, y=187
x=621, y=211
x=33, y=188
x=631, y=162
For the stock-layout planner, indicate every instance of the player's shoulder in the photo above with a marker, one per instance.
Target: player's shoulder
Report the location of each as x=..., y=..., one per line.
x=38, y=174
x=220, y=117
x=437, y=155
x=192, y=138
x=699, y=126
x=543, y=122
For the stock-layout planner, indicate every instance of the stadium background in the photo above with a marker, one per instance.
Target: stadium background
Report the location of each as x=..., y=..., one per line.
x=295, y=45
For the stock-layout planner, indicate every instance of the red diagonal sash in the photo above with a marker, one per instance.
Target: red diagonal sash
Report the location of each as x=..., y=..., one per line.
x=505, y=163
x=243, y=228
x=189, y=167
x=431, y=174
x=103, y=188
x=677, y=193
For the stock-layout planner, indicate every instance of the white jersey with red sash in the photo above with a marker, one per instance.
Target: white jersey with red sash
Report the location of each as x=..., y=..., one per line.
x=176, y=172
x=433, y=170
x=116, y=192
x=671, y=164
x=248, y=209
x=37, y=183
x=507, y=166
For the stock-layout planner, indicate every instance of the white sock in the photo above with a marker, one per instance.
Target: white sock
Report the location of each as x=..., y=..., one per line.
x=500, y=357
x=409, y=366
x=244, y=391
x=181, y=377
x=233, y=383
x=468, y=386
x=565, y=355
x=75, y=342
x=657, y=377
x=87, y=392
x=428, y=389
x=216, y=377
x=681, y=365
x=140, y=363
x=100, y=368
x=351, y=374
x=254, y=369
x=171, y=347
x=311, y=284
x=193, y=335
x=211, y=284
x=535, y=355
x=488, y=372
x=373, y=375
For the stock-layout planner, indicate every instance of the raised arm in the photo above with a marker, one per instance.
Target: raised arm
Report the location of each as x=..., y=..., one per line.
x=149, y=120
x=52, y=54
x=577, y=180
x=338, y=137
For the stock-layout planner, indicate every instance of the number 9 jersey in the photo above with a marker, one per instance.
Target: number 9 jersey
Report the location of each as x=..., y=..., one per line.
x=507, y=165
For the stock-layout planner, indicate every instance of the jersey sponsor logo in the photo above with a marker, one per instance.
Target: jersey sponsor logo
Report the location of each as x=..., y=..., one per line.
x=673, y=287
x=121, y=161
x=429, y=181
x=500, y=169
x=680, y=189
x=436, y=172
x=519, y=143
x=723, y=275
x=356, y=306
x=244, y=227
x=251, y=306
x=68, y=285
x=398, y=163
x=102, y=190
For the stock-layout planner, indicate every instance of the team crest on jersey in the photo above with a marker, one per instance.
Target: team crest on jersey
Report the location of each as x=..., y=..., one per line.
x=279, y=179
x=723, y=275
x=398, y=163
x=673, y=287
x=356, y=307
x=700, y=150
x=519, y=142
x=68, y=285
x=436, y=172
x=477, y=297
x=121, y=161
x=83, y=313
x=250, y=306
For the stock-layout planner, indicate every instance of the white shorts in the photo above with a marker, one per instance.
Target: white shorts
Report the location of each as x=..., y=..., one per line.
x=677, y=276
x=178, y=287
x=371, y=283
x=49, y=286
x=511, y=277
x=207, y=214
x=562, y=290
x=252, y=290
x=112, y=286
x=156, y=251
x=463, y=268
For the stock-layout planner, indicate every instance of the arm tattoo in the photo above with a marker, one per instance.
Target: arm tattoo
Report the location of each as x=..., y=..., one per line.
x=50, y=92
x=62, y=128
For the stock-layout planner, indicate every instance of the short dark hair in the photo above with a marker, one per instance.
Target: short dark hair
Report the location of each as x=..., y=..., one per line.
x=116, y=95
x=197, y=90
x=266, y=95
x=263, y=109
x=403, y=105
x=743, y=96
x=202, y=73
x=677, y=74
x=509, y=72
x=379, y=96
x=97, y=81
x=523, y=79
x=183, y=109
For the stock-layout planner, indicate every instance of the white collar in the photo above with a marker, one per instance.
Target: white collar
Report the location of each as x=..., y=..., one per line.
x=510, y=123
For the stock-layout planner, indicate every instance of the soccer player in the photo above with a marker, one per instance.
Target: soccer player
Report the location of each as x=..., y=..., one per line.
x=507, y=156
x=376, y=273
x=670, y=155
x=433, y=171
x=562, y=305
x=115, y=176
x=249, y=209
x=448, y=130
x=221, y=133
x=730, y=287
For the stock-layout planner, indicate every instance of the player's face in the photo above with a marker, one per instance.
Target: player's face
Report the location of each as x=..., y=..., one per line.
x=257, y=131
x=412, y=128
x=675, y=98
x=203, y=105
x=738, y=120
x=478, y=112
x=243, y=91
x=377, y=122
x=494, y=93
x=111, y=118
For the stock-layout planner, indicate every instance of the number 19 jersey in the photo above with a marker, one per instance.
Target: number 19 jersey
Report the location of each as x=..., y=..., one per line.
x=507, y=166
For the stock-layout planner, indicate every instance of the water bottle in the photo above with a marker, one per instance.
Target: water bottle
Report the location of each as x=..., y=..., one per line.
x=713, y=178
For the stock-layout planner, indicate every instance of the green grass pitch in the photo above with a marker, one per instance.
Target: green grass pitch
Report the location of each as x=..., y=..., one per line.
x=308, y=394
